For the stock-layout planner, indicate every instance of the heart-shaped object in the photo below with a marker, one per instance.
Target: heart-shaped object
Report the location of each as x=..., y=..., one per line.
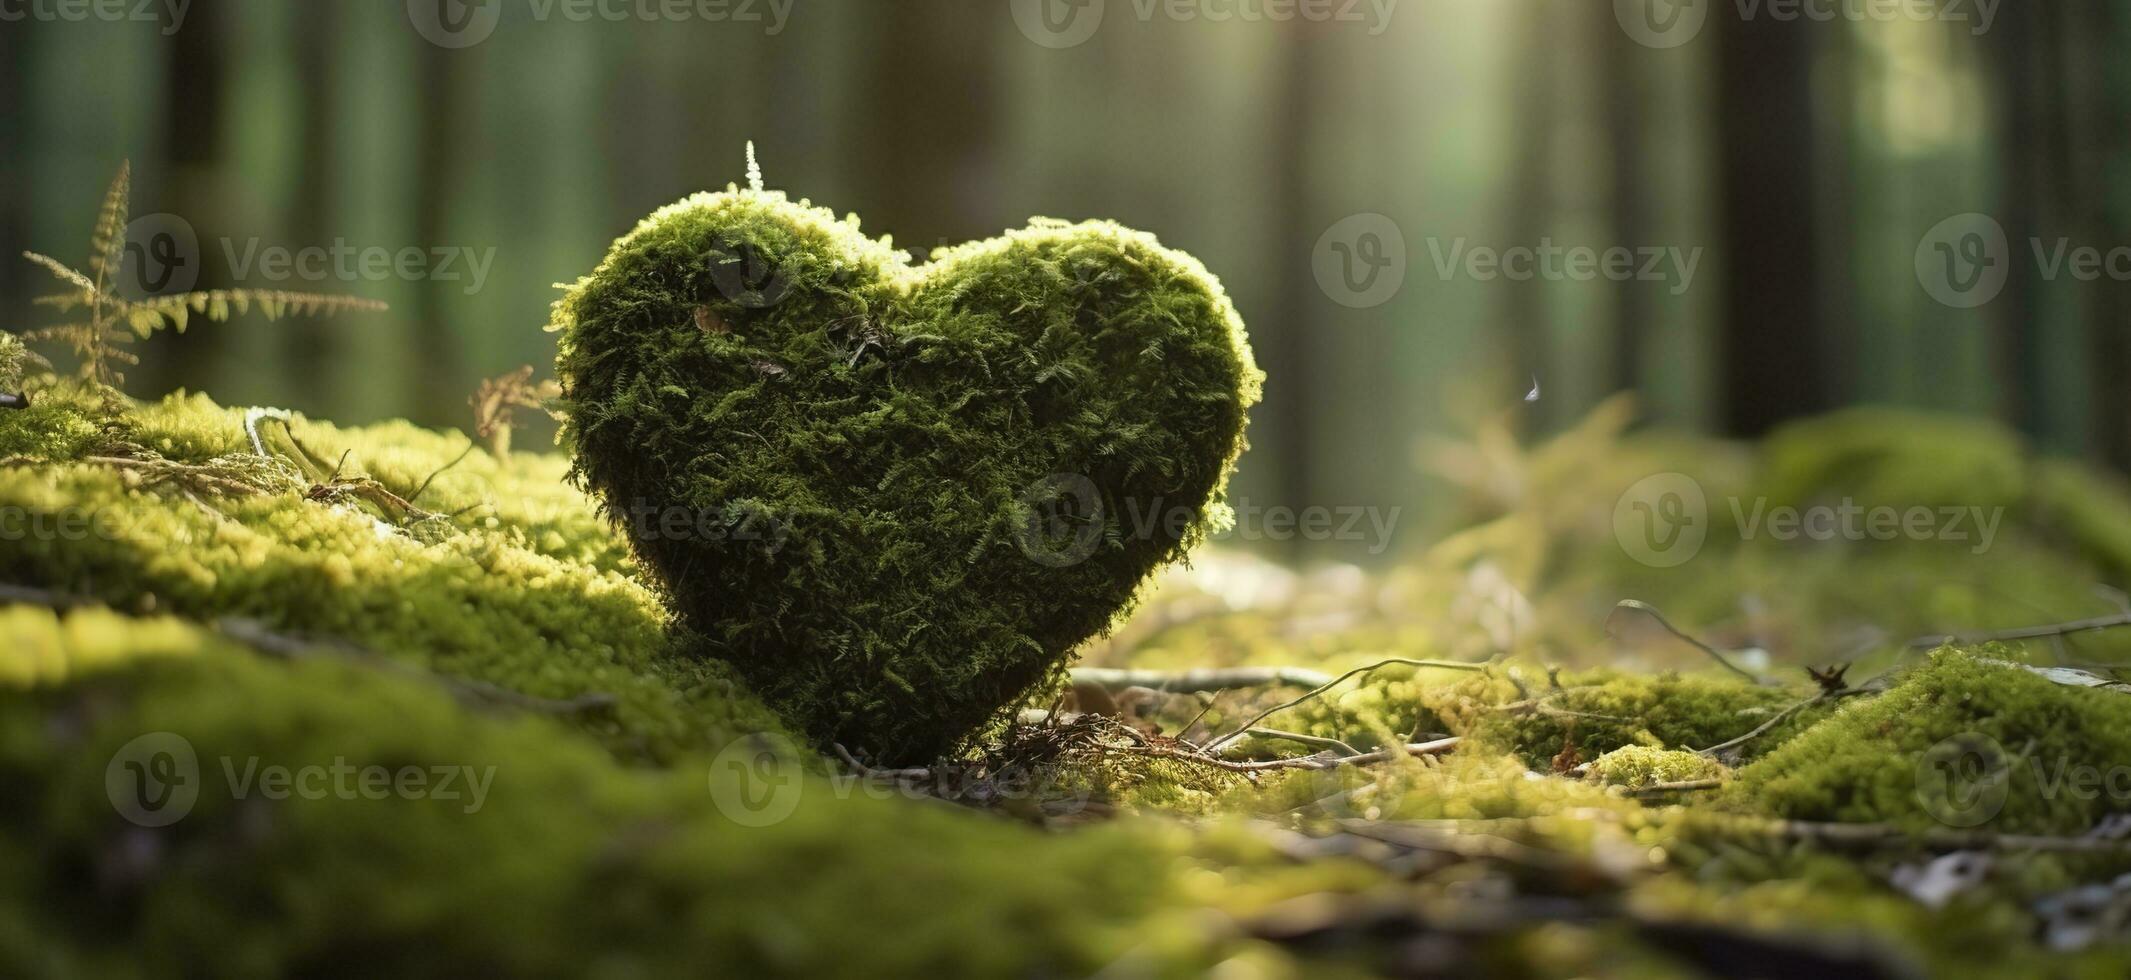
x=897, y=496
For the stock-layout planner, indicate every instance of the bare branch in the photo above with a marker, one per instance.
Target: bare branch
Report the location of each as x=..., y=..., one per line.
x=1201, y=680
x=1216, y=744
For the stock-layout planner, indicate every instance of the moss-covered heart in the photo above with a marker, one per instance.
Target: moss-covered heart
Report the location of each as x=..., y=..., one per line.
x=896, y=496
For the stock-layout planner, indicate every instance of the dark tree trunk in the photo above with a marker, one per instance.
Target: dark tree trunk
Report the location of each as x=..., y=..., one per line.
x=195, y=129
x=16, y=192
x=947, y=133
x=441, y=389
x=2028, y=124
x=1288, y=417
x=1773, y=352
x=2099, y=92
x=312, y=345
x=1524, y=311
x=1622, y=90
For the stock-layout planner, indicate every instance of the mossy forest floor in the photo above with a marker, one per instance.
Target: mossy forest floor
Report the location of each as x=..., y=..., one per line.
x=434, y=725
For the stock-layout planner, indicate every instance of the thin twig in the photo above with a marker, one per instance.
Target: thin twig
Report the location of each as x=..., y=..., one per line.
x=1216, y=744
x=1310, y=740
x=30, y=596
x=417, y=494
x=866, y=770
x=1651, y=611
x=1779, y=716
x=2024, y=632
x=1684, y=785
x=1199, y=681
x=1317, y=763
x=1869, y=835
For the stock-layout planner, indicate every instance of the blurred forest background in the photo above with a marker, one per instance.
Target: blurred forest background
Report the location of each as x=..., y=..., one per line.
x=1808, y=159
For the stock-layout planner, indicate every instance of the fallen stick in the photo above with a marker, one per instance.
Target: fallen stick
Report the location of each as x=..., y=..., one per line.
x=2023, y=632
x=1684, y=785
x=1316, y=763
x=1241, y=730
x=1199, y=681
x=1868, y=835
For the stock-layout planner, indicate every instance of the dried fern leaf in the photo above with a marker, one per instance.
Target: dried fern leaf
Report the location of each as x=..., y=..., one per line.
x=107, y=247
x=65, y=273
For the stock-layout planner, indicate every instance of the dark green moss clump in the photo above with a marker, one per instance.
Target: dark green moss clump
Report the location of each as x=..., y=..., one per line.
x=1966, y=740
x=482, y=843
x=894, y=496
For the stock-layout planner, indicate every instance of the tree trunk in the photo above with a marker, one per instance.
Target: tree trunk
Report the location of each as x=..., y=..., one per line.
x=2101, y=95
x=1289, y=416
x=1622, y=90
x=195, y=130
x=441, y=389
x=1531, y=190
x=1772, y=352
x=2025, y=124
x=311, y=345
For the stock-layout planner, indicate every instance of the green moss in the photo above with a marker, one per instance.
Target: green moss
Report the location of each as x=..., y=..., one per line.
x=525, y=594
x=1601, y=711
x=600, y=849
x=2086, y=511
x=1897, y=458
x=1963, y=740
x=896, y=497
x=1642, y=765
x=562, y=865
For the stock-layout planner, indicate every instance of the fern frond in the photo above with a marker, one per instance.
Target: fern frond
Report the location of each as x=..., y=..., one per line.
x=145, y=321
x=62, y=331
x=64, y=271
x=114, y=320
x=63, y=302
x=107, y=247
x=219, y=305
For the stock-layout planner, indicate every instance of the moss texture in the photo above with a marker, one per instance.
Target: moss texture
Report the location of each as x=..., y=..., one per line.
x=523, y=591
x=541, y=859
x=605, y=843
x=1966, y=739
x=1636, y=766
x=896, y=496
